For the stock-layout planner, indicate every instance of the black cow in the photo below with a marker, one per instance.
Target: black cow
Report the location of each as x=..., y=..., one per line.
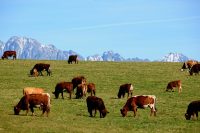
x=95, y=103
x=73, y=58
x=40, y=67
x=193, y=108
x=195, y=69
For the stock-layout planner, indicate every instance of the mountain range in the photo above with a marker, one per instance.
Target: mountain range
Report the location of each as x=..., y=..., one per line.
x=28, y=48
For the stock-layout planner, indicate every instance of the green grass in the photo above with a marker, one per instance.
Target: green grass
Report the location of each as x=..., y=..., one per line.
x=71, y=116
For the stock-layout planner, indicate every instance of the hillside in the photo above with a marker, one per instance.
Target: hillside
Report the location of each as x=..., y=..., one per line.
x=72, y=116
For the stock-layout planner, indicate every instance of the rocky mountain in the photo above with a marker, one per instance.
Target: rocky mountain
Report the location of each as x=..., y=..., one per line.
x=28, y=48
x=174, y=57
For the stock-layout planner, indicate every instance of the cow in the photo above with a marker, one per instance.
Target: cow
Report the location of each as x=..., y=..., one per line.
x=73, y=58
x=33, y=100
x=81, y=91
x=125, y=88
x=96, y=103
x=32, y=90
x=40, y=67
x=172, y=84
x=188, y=64
x=78, y=80
x=7, y=54
x=195, y=69
x=140, y=101
x=61, y=87
x=91, y=89
x=193, y=108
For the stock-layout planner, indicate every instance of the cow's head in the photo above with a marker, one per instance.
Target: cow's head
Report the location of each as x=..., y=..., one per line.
x=56, y=94
x=104, y=112
x=184, y=66
x=187, y=116
x=16, y=110
x=123, y=112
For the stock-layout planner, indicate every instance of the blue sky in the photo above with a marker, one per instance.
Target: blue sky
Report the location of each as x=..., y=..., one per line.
x=132, y=28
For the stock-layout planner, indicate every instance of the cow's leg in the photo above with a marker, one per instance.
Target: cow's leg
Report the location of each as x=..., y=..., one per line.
x=95, y=112
x=90, y=112
x=70, y=95
x=100, y=114
x=32, y=110
x=62, y=95
x=134, y=110
x=196, y=114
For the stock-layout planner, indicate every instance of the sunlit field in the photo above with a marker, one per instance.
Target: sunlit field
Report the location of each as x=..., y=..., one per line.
x=71, y=116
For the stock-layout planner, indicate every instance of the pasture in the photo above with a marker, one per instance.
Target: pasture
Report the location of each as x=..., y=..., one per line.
x=71, y=116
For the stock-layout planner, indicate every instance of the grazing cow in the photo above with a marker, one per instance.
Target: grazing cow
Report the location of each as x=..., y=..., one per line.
x=32, y=90
x=33, y=100
x=141, y=101
x=40, y=67
x=195, y=69
x=78, y=80
x=125, y=88
x=7, y=54
x=72, y=58
x=95, y=103
x=61, y=87
x=91, y=89
x=188, y=64
x=193, y=108
x=172, y=84
x=81, y=91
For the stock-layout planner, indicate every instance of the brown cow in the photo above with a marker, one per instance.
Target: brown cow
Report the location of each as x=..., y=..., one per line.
x=95, y=103
x=188, y=64
x=40, y=67
x=73, y=58
x=61, y=87
x=33, y=100
x=91, y=89
x=195, y=69
x=125, y=88
x=141, y=101
x=32, y=90
x=193, y=108
x=7, y=54
x=172, y=84
x=78, y=80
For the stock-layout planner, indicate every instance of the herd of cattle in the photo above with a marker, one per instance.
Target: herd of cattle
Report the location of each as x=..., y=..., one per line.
x=36, y=97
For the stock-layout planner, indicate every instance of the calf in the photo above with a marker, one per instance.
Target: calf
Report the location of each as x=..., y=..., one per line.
x=125, y=88
x=63, y=86
x=95, y=103
x=141, y=101
x=31, y=101
x=32, y=90
x=193, y=108
x=91, y=89
x=195, y=69
x=172, y=84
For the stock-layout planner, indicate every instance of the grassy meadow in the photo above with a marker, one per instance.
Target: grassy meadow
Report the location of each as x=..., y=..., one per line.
x=71, y=116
